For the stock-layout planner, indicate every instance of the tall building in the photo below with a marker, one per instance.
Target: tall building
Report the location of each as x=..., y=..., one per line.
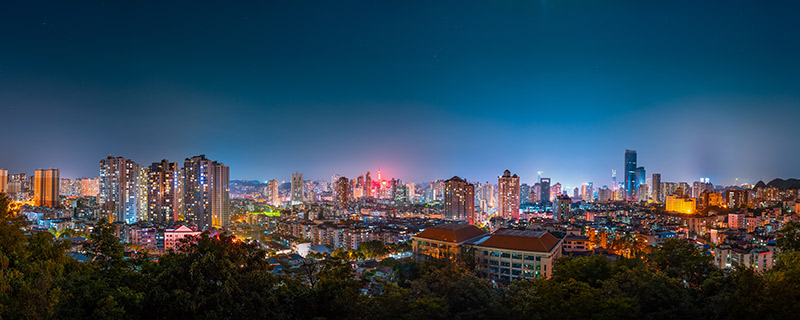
x=343, y=192
x=736, y=199
x=630, y=174
x=562, y=208
x=273, y=197
x=588, y=192
x=164, y=192
x=656, y=188
x=46, y=187
x=368, y=185
x=508, y=196
x=487, y=194
x=206, y=192
x=120, y=196
x=524, y=193
x=297, y=188
x=3, y=181
x=544, y=185
x=459, y=200
x=641, y=180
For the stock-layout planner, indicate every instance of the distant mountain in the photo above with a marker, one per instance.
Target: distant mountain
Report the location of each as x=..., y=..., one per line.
x=780, y=184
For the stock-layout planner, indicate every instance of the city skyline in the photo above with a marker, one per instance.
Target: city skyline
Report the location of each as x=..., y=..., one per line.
x=699, y=90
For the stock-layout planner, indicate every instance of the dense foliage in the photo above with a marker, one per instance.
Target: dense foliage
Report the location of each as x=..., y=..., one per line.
x=220, y=278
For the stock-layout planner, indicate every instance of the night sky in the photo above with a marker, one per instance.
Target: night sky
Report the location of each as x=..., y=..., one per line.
x=421, y=89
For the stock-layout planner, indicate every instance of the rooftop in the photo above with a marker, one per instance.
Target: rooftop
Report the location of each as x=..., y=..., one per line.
x=523, y=240
x=451, y=232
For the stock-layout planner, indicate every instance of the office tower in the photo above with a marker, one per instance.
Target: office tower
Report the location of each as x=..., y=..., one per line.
x=640, y=180
x=297, y=188
x=273, y=197
x=46, y=187
x=508, y=196
x=524, y=193
x=536, y=193
x=562, y=208
x=487, y=194
x=343, y=192
x=459, y=200
x=630, y=174
x=368, y=185
x=641, y=193
x=164, y=192
x=122, y=194
x=656, y=188
x=411, y=189
x=576, y=193
x=3, y=181
x=544, y=185
x=206, y=192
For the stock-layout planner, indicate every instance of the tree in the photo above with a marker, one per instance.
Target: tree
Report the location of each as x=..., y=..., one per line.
x=679, y=259
x=789, y=237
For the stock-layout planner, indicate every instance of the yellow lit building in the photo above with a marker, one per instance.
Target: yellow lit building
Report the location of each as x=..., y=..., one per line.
x=681, y=204
x=46, y=187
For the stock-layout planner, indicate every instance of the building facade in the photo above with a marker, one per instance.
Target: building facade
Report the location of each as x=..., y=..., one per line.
x=508, y=196
x=46, y=188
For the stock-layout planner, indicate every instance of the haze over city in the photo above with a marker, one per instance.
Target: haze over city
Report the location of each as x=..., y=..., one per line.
x=466, y=88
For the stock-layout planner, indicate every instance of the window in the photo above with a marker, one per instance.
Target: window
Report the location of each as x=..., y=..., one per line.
x=494, y=253
x=538, y=258
x=516, y=265
x=504, y=271
x=516, y=272
x=516, y=256
x=485, y=253
x=493, y=262
x=529, y=266
x=505, y=264
x=493, y=269
x=505, y=255
x=530, y=258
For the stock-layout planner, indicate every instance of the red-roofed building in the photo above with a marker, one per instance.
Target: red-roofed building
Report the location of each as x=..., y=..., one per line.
x=444, y=241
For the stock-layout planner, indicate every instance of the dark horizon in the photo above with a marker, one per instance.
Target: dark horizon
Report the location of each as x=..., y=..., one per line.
x=459, y=88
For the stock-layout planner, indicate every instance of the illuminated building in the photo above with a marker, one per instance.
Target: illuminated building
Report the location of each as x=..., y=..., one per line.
x=487, y=194
x=273, y=197
x=70, y=187
x=508, y=196
x=562, y=209
x=681, y=204
x=443, y=241
x=368, y=185
x=411, y=189
x=507, y=254
x=206, y=192
x=297, y=188
x=343, y=192
x=544, y=185
x=710, y=199
x=459, y=200
x=699, y=186
x=555, y=190
x=630, y=174
x=524, y=193
x=164, y=192
x=656, y=188
x=90, y=187
x=587, y=192
x=736, y=199
x=536, y=193
x=3, y=180
x=46, y=187
x=642, y=193
x=640, y=180
x=119, y=195
x=172, y=237
x=18, y=187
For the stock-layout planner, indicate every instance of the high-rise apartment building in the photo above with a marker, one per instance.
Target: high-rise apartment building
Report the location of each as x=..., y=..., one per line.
x=544, y=186
x=487, y=194
x=273, y=197
x=735, y=199
x=3, y=181
x=343, y=192
x=587, y=192
x=368, y=185
x=656, y=188
x=562, y=208
x=164, y=192
x=122, y=193
x=508, y=196
x=297, y=188
x=206, y=192
x=459, y=200
x=630, y=174
x=46, y=187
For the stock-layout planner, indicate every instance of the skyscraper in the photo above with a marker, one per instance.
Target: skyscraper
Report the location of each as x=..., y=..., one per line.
x=297, y=188
x=164, y=192
x=630, y=174
x=508, y=196
x=656, y=188
x=562, y=209
x=459, y=200
x=206, y=192
x=122, y=194
x=487, y=193
x=368, y=185
x=46, y=187
x=343, y=192
x=3, y=180
x=272, y=193
x=544, y=186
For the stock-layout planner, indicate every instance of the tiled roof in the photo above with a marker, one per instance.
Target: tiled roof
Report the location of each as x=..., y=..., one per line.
x=455, y=233
x=523, y=240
